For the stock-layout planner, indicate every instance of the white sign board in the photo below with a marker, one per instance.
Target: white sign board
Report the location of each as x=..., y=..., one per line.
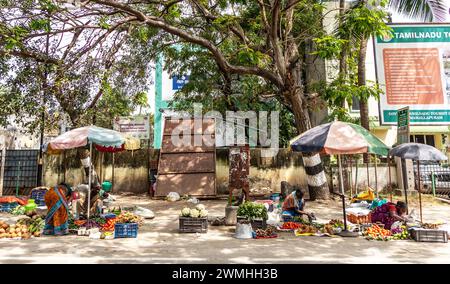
x=137, y=126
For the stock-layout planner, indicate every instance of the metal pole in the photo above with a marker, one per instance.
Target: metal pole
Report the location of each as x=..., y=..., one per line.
x=341, y=184
x=356, y=175
x=90, y=182
x=17, y=180
x=376, y=176
x=433, y=183
x=390, y=178
x=2, y=169
x=113, y=165
x=418, y=187
x=405, y=183
x=351, y=177
x=368, y=174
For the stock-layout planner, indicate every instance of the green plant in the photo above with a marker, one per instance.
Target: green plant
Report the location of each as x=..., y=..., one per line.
x=252, y=210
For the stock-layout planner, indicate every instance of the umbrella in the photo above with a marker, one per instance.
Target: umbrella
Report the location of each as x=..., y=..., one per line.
x=83, y=136
x=418, y=152
x=336, y=138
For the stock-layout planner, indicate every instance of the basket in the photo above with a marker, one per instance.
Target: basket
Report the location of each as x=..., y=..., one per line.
x=38, y=196
x=193, y=225
x=125, y=230
x=7, y=207
x=259, y=224
x=429, y=235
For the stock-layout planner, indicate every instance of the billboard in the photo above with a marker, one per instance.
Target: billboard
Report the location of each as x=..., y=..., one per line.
x=413, y=69
x=136, y=126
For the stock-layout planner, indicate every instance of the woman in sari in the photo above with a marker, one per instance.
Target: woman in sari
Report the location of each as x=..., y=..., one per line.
x=294, y=205
x=56, y=200
x=389, y=213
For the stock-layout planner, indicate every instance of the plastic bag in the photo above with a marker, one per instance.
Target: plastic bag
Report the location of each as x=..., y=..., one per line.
x=377, y=203
x=173, y=196
x=274, y=219
x=194, y=200
x=243, y=231
x=144, y=212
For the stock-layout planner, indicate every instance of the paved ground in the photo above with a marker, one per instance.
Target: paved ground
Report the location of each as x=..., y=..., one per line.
x=159, y=242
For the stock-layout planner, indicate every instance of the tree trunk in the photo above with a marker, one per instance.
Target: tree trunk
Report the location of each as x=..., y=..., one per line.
x=315, y=174
x=343, y=53
x=363, y=106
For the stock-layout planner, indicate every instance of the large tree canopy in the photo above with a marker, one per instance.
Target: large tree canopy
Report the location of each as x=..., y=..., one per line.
x=58, y=59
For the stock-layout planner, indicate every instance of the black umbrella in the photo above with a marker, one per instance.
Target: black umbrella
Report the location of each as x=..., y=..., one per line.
x=418, y=152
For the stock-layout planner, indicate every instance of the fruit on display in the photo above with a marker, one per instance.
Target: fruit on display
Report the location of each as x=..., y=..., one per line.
x=400, y=233
x=20, y=230
x=359, y=219
x=109, y=225
x=336, y=223
x=328, y=229
x=290, y=226
x=375, y=232
x=128, y=217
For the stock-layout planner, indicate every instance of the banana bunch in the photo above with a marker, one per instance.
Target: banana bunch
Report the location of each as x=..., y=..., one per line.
x=36, y=225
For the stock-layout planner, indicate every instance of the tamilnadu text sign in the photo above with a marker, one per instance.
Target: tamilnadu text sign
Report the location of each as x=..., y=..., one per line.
x=413, y=68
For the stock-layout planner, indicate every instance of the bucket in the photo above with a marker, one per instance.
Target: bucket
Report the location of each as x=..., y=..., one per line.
x=106, y=186
x=231, y=215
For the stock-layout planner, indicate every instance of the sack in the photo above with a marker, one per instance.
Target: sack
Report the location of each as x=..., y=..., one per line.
x=173, y=196
x=243, y=231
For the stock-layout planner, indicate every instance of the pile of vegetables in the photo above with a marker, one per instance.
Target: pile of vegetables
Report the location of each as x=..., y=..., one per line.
x=23, y=229
x=252, y=210
x=430, y=226
x=19, y=210
x=198, y=212
x=128, y=217
x=306, y=229
x=269, y=232
x=328, y=229
x=109, y=225
x=336, y=223
x=400, y=233
x=290, y=226
x=375, y=232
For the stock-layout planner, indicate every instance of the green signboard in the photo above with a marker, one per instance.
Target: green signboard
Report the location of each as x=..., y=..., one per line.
x=413, y=70
x=403, y=125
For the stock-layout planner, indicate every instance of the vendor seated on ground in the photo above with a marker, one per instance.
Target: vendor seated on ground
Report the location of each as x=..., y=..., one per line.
x=294, y=204
x=95, y=202
x=389, y=213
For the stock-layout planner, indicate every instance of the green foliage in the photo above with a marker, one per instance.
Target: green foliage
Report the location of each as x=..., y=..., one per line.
x=328, y=47
x=252, y=210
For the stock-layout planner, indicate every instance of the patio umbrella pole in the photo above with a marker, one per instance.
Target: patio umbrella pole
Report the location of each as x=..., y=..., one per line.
x=367, y=167
x=376, y=176
x=90, y=182
x=341, y=184
x=390, y=178
x=418, y=188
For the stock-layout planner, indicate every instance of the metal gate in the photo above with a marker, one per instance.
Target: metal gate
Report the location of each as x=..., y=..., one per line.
x=20, y=173
x=434, y=178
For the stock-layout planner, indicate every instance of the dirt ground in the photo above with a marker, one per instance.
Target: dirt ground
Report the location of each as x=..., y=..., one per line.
x=158, y=241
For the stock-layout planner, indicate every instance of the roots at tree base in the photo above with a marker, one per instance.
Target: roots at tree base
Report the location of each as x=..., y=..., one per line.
x=315, y=176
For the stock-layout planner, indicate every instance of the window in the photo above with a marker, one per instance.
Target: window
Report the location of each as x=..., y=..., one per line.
x=355, y=104
x=424, y=139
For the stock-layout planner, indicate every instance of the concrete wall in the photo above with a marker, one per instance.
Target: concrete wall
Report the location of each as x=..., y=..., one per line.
x=266, y=174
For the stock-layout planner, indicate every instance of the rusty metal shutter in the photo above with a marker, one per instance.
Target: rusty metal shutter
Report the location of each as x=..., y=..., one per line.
x=187, y=169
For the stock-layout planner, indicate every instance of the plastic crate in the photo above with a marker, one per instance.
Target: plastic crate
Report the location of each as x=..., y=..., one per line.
x=7, y=207
x=259, y=224
x=38, y=196
x=193, y=225
x=429, y=235
x=125, y=230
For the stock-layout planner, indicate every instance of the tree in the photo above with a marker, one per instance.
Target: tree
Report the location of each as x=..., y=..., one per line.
x=85, y=56
x=265, y=39
x=424, y=10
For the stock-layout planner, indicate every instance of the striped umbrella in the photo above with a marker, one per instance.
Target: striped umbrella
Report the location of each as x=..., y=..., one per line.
x=336, y=138
x=339, y=137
